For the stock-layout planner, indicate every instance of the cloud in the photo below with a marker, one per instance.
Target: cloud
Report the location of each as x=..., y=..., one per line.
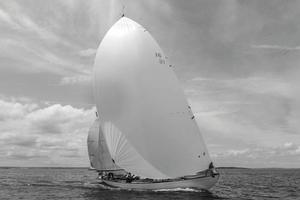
x=34, y=46
x=247, y=118
x=80, y=79
x=16, y=16
x=71, y=154
x=260, y=102
x=26, y=155
x=277, y=156
x=287, y=149
x=254, y=84
x=40, y=58
x=87, y=52
x=13, y=109
x=233, y=152
x=4, y=16
x=56, y=119
x=33, y=131
x=275, y=47
x=23, y=141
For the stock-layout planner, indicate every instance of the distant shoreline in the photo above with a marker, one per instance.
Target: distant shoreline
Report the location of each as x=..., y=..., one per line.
x=256, y=168
x=9, y=167
x=3, y=167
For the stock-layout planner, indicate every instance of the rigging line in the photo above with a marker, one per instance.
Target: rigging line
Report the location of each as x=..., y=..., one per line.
x=123, y=7
x=123, y=11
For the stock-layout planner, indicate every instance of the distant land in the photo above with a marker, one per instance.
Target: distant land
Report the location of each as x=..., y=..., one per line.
x=256, y=168
x=233, y=168
x=8, y=167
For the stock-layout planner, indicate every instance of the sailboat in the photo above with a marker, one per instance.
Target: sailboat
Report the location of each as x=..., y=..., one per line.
x=145, y=130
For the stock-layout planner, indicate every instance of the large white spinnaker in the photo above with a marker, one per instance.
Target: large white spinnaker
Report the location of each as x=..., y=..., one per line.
x=99, y=155
x=138, y=92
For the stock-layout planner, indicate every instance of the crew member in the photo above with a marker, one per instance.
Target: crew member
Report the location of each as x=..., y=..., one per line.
x=212, y=169
x=129, y=177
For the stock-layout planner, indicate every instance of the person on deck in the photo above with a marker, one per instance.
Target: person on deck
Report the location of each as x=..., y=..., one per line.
x=212, y=169
x=129, y=177
x=211, y=165
x=103, y=175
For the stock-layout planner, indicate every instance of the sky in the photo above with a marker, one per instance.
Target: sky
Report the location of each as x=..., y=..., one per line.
x=238, y=62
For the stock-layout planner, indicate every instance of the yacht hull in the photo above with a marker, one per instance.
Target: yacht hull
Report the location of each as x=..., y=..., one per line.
x=201, y=183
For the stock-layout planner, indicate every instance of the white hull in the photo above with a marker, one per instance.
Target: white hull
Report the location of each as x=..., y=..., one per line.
x=202, y=183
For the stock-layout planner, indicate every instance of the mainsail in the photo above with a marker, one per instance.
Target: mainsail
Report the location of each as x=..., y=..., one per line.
x=139, y=95
x=99, y=155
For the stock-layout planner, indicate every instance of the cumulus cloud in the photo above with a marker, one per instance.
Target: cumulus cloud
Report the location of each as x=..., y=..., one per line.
x=41, y=135
x=13, y=109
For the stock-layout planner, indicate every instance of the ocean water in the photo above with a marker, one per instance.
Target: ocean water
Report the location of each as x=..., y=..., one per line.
x=80, y=184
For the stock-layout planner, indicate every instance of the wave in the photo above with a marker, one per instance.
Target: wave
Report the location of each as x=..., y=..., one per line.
x=179, y=190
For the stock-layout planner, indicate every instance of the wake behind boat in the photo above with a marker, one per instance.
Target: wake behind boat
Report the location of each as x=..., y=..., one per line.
x=146, y=126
